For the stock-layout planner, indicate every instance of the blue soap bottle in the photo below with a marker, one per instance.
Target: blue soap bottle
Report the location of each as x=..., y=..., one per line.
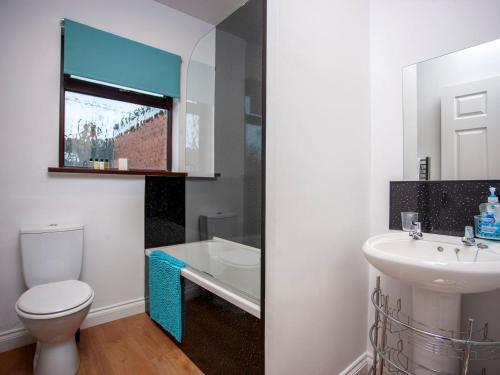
x=489, y=227
x=487, y=210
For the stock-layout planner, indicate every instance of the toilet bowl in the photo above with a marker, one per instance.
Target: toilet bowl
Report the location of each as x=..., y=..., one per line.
x=52, y=313
x=56, y=302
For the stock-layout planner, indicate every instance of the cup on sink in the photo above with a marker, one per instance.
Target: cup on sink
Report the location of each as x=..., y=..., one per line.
x=408, y=220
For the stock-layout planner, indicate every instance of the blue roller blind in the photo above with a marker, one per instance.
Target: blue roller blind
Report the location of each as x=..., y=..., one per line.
x=99, y=55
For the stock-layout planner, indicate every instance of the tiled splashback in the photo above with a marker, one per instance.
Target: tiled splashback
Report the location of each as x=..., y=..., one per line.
x=444, y=207
x=164, y=211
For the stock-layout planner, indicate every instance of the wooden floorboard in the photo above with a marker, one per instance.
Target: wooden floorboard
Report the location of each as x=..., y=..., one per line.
x=133, y=345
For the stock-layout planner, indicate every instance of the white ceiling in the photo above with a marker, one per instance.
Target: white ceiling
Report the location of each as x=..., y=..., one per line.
x=211, y=11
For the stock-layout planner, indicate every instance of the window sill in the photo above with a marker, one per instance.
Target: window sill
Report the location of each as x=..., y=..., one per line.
x=129, y=172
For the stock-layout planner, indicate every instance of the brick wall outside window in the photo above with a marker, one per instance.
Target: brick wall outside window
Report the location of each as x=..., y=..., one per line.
x=145, y=147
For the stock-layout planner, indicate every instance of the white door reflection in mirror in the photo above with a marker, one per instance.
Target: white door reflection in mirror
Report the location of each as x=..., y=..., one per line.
x=470, y=130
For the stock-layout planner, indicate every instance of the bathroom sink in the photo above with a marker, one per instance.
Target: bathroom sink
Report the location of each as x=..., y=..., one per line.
x=438, y=263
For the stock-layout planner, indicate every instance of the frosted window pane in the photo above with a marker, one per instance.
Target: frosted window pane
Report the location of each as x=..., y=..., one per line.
x=107, y=129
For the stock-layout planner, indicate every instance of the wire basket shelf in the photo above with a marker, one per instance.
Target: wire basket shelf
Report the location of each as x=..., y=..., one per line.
x=394, y=336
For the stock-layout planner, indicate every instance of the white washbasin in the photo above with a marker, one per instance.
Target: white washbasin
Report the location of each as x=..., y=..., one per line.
x=420, y=263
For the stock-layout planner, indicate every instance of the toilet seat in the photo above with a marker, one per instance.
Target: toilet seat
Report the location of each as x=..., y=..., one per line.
x=55, y=299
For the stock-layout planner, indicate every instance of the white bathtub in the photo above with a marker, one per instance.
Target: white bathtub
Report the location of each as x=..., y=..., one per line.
x=228, y=269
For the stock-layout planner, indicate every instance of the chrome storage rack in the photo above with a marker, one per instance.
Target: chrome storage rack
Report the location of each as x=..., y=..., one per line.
x=394, y=335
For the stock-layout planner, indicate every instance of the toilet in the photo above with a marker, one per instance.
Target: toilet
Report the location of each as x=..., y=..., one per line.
x=56, y=303
x=220, y=224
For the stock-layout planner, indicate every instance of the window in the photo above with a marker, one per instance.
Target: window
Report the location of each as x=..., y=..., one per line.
x=104, y=122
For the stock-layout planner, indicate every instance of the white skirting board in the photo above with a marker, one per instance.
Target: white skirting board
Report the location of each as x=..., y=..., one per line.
x=18, y=337
x=116, y=311
x=360, y=365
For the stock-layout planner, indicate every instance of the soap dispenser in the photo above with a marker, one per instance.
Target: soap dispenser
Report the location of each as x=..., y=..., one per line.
x=493, y=199
x=488, y=221
x=487, y=210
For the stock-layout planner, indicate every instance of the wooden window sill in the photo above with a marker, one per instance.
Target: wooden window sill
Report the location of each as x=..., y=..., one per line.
x=129, y=172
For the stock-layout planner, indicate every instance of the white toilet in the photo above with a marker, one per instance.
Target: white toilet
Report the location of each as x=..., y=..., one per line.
x=56, y=303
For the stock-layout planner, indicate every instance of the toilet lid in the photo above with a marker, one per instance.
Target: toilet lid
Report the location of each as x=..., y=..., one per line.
x=54, y=297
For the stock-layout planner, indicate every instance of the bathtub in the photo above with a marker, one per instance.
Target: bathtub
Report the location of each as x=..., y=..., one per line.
x=228, y=269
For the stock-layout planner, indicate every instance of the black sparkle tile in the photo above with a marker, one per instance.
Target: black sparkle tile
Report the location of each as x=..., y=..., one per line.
x=220, y=337
x=164, y=211
x=444, y=207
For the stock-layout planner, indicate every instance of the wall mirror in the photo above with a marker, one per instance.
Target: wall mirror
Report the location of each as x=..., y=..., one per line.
x=451, y=115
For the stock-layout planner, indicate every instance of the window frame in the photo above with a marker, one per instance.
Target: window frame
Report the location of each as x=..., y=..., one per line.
x=107, y=92
x=69, y=83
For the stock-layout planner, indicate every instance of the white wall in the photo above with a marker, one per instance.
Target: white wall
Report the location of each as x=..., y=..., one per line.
x=111, y=208
x=403, y=33
x=318, y=151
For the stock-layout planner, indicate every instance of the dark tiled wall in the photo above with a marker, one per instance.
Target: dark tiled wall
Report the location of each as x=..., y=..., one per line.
x=220, y=337
x=164, y=214
x=444, y=207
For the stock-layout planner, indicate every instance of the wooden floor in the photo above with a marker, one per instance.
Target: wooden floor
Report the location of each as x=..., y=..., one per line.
x=133, y=345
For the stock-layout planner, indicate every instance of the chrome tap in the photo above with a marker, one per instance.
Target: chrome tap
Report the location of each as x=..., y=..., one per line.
x=468, y=238
x=410, y=224
x=416, y=232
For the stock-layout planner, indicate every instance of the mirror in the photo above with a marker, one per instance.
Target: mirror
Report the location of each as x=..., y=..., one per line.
x=451, y=116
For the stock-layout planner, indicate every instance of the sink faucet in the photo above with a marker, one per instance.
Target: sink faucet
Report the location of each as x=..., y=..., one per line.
x=416, y=232
x=468, y=238
x=410, y=224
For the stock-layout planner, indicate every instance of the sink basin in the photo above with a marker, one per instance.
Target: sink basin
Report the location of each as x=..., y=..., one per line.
x=440, y=269
x=438, y=263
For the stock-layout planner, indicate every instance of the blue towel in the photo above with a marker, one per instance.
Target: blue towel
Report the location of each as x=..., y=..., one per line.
x=165, y=292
